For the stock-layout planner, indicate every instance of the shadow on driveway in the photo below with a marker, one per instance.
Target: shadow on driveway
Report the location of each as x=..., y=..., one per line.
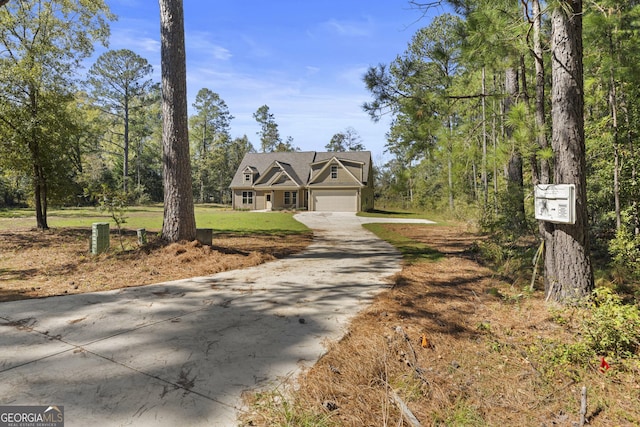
x=182, y=353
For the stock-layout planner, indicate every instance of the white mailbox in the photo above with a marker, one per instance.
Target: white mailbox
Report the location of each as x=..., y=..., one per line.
x=556, y=203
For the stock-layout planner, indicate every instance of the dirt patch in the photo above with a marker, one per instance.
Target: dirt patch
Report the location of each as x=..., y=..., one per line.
x=37, y=264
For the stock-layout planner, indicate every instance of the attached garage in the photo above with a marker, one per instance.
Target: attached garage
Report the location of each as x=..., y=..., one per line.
x=335, y=200
x=314, y=181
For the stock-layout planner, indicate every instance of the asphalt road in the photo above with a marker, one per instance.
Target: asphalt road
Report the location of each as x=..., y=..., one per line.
x=182, y=352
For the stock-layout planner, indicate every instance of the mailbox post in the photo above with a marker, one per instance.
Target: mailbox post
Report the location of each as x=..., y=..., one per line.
x=556, y=203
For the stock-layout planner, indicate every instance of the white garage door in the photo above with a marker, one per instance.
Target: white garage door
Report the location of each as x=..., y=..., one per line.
x=335, y=200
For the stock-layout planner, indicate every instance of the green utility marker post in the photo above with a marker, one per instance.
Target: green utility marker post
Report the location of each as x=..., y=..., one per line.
x=99, y=237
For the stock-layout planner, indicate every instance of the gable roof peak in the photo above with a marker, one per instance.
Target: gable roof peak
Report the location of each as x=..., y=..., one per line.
x=296, y=165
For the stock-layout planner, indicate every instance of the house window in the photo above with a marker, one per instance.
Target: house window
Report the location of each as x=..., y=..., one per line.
x=334, y=171
x=247, y=177
x=247, y=197
x=290, y=198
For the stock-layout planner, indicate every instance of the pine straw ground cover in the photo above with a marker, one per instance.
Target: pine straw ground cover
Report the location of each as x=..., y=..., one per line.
x=37, y=264
x=458, y=346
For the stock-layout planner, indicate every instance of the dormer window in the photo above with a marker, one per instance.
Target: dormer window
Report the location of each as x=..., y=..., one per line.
x=334, y=171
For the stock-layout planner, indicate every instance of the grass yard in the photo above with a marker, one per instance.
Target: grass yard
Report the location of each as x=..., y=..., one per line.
x=398, y=213
x=221, y=219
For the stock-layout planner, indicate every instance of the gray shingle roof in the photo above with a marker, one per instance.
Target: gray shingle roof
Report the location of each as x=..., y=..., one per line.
x=297, y=163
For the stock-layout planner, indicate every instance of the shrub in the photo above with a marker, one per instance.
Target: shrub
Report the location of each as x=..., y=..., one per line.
x=611, y=327
x=625, y=252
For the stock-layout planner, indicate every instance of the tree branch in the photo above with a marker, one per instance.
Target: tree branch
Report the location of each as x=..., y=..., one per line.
x=479, y=95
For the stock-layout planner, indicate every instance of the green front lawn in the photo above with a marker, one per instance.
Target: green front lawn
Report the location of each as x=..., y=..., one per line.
x=412, y=250
x=398, y=213
x=150, y=217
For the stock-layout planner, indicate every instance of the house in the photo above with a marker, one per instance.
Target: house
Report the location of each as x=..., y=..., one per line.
x=315, y=181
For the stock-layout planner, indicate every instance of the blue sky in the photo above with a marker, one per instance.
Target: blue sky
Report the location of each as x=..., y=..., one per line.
x=304, y=59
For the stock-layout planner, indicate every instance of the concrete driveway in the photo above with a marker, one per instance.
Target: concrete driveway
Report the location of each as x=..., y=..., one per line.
x=182, y=352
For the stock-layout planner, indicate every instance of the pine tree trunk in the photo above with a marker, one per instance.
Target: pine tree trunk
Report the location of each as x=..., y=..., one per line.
x=203, y=163
x=450, y=165
x=635, y=206
x=125, y=159
x=543, y=172
x=179, y=218
x=613, y=106
x=544, y=176
x=515, y=178
x=485, y=182
x=568, y=271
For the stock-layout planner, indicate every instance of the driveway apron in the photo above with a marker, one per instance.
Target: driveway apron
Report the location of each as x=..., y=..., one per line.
x=182, y=352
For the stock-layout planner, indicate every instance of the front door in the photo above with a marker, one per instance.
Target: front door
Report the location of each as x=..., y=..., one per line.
x=268, y=202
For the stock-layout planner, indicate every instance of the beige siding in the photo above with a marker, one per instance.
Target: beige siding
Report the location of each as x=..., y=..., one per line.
x=237, y=199
x=278, y=199
x=343, y=176
x=315, y=169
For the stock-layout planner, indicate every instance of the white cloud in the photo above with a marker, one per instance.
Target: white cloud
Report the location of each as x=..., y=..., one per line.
x=257, y=88
x=309, y=109
x=310, y=116
x=134, y=40
x=349, y=28
x=353, y=76
x=254, y=48
x=199, y=43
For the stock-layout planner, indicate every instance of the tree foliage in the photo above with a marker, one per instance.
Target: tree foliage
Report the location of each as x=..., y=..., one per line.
x=417, y=88
x=347, y=140
x=211, y=146
x=119, y=85
x=488, y=124
x=42, y=44
x=269, y=133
